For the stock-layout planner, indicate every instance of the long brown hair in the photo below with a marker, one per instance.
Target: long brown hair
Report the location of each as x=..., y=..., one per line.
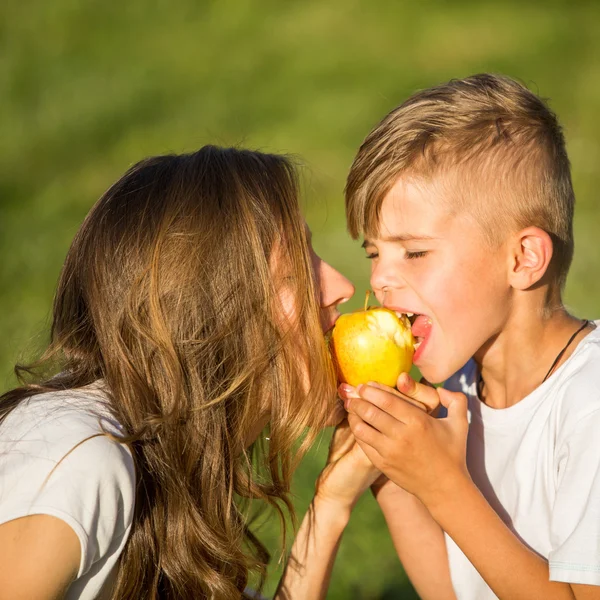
x=167, y=295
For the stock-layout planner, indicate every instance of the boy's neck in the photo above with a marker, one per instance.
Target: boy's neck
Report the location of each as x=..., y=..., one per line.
x=516, y=361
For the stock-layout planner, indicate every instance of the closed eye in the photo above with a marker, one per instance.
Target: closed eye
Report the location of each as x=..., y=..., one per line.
x=372, y=255
x=411, y=255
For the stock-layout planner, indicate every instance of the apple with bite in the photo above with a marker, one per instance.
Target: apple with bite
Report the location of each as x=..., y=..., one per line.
x=374, y=344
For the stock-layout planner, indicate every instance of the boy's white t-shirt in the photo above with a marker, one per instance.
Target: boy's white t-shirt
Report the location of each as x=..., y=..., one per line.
x=538, y=465
x=90, y=486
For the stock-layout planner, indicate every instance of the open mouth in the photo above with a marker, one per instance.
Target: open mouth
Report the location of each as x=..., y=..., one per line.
x=420, y=326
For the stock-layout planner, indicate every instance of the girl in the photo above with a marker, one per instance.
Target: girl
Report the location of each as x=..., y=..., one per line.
x=189, y=317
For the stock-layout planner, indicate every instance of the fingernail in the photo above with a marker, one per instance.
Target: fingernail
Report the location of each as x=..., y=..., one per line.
x=348, y=391
x=405, y=380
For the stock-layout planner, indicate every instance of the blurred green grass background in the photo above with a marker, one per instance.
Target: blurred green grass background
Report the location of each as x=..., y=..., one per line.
x=88, y=88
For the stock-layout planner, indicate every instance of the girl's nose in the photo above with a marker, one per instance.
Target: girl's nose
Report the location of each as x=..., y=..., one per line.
x=335, y=288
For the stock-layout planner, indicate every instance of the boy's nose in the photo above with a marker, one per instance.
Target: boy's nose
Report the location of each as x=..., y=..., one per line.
x=386, y=283
x=383, y=280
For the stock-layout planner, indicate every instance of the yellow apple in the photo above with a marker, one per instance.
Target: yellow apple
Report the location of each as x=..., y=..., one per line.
x=374, y=344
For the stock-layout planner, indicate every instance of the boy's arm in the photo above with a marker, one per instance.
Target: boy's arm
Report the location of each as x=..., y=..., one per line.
x=574, y=524
x=419, y=542
x=427, y=457
x=510, y=568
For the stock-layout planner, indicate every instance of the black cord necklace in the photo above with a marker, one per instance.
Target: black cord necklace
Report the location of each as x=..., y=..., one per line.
x=552, y=367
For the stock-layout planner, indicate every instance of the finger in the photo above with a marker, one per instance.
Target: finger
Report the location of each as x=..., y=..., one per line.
x=373, y=415
x=455, y=403
x=436, y=411
x=394, y=391
x=424, y=393
x=346, y=391
x=365, y=434
x=396, y=406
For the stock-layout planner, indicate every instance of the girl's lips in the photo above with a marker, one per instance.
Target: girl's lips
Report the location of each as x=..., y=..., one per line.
x=331, y=323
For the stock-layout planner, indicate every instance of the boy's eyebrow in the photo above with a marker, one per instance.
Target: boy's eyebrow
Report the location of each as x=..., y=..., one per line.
x=400, y=238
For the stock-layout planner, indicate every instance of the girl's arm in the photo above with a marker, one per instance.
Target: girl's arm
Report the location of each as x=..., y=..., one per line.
x=346, y=476
x=309, y=565
x=40, y=557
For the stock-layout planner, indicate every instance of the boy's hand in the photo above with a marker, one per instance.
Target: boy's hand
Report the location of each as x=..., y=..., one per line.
x=422, y=394
x=421, y=454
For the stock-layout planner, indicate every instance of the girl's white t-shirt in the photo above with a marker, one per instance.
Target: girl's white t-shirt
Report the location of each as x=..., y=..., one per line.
x=51, y=464
x=538, y=465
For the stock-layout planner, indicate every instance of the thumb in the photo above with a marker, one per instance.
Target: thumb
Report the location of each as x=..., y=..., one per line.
x=423, y=393
x=455, y=403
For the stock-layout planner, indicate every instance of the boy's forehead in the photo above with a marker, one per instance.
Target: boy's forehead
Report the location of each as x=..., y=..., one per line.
x=412, y=208
x=408, y=191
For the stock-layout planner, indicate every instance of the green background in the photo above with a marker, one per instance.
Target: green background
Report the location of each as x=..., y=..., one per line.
x=88, y=88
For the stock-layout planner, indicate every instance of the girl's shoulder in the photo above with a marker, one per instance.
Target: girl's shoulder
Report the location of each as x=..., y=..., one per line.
x=57, y=459
x=71, y=433
x=60, y=416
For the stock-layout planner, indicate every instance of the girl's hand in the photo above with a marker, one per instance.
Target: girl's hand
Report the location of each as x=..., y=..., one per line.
x=348, y=472
x=421, y=454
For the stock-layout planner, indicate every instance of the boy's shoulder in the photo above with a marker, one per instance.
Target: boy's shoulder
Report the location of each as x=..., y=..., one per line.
x=577, y=381
x=571, y=393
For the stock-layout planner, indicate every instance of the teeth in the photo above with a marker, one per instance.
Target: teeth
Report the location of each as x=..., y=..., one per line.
x=400, y=315
x=417, y=344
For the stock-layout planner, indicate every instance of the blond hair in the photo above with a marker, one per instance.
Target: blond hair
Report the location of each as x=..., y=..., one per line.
x=491, y=142
x=167, y=296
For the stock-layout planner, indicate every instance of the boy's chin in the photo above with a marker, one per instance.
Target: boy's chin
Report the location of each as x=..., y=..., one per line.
x=435, y=374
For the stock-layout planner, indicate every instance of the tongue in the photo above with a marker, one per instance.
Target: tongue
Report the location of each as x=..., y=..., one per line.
x=421, y=327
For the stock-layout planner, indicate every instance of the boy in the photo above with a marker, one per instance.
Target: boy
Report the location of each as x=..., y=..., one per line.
x=463, y=195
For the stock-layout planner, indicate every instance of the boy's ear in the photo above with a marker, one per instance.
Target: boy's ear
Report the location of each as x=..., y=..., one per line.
x=530, y=256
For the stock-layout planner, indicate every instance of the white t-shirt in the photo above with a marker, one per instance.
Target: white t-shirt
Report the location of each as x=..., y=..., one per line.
x=538, y=465
x=90, y=486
